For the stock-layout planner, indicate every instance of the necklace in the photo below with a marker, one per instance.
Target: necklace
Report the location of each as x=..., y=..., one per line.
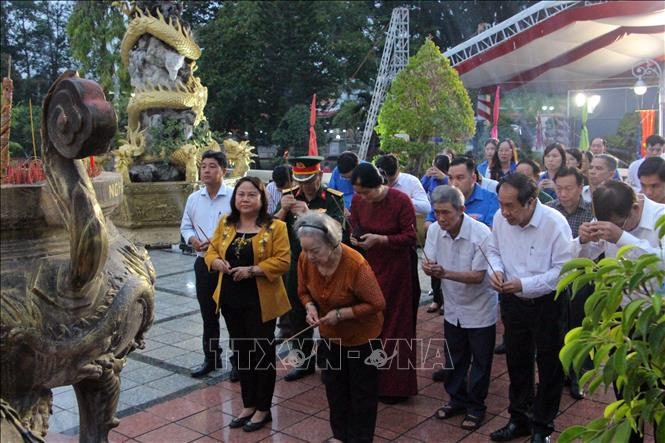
x=239, y=244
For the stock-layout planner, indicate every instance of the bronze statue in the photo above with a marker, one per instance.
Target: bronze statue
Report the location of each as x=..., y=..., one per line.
x=71, y=313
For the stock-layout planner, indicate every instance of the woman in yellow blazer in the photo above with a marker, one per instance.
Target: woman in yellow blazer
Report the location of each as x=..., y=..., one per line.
x=251, y=251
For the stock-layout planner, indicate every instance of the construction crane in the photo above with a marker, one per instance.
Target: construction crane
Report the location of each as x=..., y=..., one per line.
x=395, y=57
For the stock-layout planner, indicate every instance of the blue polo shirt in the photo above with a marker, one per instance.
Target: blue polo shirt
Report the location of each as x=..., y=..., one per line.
x=342, y=185
x=481, y=206
x=429, y=183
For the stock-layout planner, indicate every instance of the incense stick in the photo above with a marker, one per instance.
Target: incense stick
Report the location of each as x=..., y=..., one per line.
x=294, y=336
x=418, y=243
x=204, y=234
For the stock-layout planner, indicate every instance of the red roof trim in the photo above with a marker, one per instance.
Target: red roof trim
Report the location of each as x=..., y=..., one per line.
x=577, y=53
x=582, y=13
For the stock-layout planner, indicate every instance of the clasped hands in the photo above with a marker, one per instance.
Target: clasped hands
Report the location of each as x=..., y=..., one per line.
x=599, y=230
x=312, y=317
x=238, y=273
x=433, y=269
x=290, y=203
x=512, y=286
x=368, y=241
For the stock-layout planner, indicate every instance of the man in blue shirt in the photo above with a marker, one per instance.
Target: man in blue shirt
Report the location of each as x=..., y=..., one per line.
x=480, y=203
x=339, y=179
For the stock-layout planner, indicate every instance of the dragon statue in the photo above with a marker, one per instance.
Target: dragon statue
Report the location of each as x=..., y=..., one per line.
x=160, y=54
x=72, y=309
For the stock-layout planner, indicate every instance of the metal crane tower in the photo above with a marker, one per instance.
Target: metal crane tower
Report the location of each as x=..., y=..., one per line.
x=395, y=57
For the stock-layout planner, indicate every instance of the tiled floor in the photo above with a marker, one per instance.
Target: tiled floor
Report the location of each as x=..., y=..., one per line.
x=160, y=402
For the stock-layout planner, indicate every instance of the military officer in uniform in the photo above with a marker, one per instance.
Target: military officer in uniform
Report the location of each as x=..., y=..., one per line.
x=310, y=194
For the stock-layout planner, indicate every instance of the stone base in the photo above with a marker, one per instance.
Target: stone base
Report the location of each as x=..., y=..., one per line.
x=150, y=213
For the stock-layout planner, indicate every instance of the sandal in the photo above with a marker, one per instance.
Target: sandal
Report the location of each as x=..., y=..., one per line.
x=471, y=422
x=433, y=308
x=448, y=411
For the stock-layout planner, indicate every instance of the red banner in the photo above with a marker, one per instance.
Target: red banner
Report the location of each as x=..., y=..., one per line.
x=648, y=123
x=313, y=149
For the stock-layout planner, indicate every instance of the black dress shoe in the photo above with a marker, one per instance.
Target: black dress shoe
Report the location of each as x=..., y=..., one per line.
x=239, y=422
x=251, y=426
x=439, y=375
x=576, y=392
x=207, y=367
x=234, y=376
x=539, y=437
x=500, y=349
x=298, y=373
x=392, y=399
x=510, y=432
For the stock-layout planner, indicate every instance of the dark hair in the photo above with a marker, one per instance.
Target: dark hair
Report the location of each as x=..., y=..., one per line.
x=217, y=155
x=388, y=163
x=495, y=167
x=575, y=153
x=442, y=162
x=282, y=175
x=566, y=171
x=367, y=176
x=589, y=156
x=493, y=141
x=466, y=161
x=346, y=161
x=526, y=186
x=655, y=139
x=652, y=166
x=562, y=152
x=613, y=198
x=264, y=218
x=535, y=167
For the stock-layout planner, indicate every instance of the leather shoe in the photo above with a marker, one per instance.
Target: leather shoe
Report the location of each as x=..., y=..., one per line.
x=539, y=437
x=251, y=426
x=298, y=373
x=439, y=375
x=207, y=367
x=510, y=432
x=576, y=392
x=500, y=349
x=239, y=422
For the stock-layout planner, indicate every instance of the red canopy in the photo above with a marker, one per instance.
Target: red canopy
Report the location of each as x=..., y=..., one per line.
x=558, y=46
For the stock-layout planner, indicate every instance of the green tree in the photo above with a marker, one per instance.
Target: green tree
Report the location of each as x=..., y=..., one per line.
x=293, y=131
x=96, y=30
x=426, y=99
x=262, y=58
x=623, y=144
x=627, y=344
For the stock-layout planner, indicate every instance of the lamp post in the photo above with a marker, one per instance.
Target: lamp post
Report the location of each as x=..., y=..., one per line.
x=643, y=70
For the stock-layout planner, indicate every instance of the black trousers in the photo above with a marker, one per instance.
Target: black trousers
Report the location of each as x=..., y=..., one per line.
x=437, y=294
x=469, y=347
x=572, y=316
x=253, y=345
x=533, y=326
x=304, y=343
x=351, y=388
x=206, y=283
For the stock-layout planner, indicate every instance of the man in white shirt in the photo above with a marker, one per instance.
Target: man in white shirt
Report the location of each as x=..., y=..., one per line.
x=624, y=218
x=407, y=183
x=601, y=170
x=453, y=246
x=651, y=174
x=202, y=212
x=654, y=148
x=529, y=244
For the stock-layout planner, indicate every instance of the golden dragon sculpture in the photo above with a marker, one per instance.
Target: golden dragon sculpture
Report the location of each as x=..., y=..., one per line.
x=188, y=95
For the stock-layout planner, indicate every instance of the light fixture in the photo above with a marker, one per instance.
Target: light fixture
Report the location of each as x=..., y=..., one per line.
x=580, y=99
x=592, y=102
x=643, y=70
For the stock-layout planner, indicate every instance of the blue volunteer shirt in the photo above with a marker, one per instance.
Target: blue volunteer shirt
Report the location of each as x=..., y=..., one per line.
x=481, y=206
x=343, y=185
x=429, y=183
